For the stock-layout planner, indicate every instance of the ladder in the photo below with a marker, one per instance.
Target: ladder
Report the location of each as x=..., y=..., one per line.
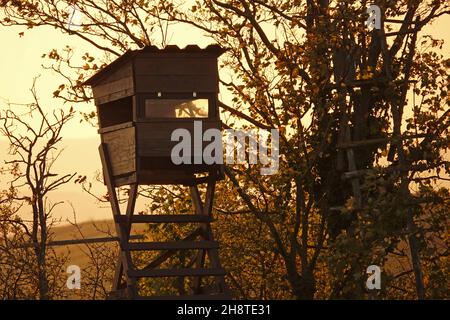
x=206, y=262
x=354, y=173
x=345, y=140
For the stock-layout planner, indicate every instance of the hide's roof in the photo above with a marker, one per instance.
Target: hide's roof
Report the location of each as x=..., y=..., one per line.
x=211, y=49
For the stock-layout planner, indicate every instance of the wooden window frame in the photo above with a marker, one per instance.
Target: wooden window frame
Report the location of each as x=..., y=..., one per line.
x=211, y=97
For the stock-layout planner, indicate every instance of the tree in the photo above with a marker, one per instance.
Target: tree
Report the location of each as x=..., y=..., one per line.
x=33, y=150
x=318, y=75
x=313, y=71
x=98, y=270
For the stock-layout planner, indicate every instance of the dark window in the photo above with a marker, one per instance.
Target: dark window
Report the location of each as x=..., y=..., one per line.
x=115, y=112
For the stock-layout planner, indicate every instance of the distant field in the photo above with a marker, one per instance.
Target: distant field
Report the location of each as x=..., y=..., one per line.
x=93, y=229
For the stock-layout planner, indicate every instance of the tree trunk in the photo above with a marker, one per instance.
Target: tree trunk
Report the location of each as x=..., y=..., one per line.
x=40, y=244
x=303, y=286
x=415, y=258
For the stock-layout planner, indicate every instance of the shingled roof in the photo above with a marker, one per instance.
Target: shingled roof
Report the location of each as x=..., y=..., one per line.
x=212, y=49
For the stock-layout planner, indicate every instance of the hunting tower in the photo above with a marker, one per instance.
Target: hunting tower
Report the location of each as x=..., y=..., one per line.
x=141, y=98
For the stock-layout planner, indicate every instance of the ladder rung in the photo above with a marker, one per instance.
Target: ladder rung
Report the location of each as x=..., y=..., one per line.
x=181, y=272
x=217, y=296
x=355, y=174
x=166, y=218
x=342, y=208
x=363, y=82
x=339, y=208
x=173, y=245
x=359, y=173
x=362, y=143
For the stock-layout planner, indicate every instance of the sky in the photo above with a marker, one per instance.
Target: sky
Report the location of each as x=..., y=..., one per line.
x=20, y=62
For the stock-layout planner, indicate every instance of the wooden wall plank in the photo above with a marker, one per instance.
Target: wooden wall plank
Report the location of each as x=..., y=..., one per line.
x=175, y=66
x=109, y=88
x=176, y=83
x=122, y=150
x=123, y=71
x=114, y=96
x=154, y=137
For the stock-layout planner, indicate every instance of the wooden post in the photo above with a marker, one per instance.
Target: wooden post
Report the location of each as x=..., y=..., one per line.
x=124, y=262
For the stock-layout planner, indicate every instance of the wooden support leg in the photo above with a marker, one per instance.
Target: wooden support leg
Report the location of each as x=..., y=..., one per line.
x=207, y=235
x=352, y=165
x=201, y=257
x=213, y=253
x=123, y=232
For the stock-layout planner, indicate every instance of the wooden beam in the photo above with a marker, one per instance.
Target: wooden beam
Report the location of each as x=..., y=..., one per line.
x=116, y=127
x=176, y=272
x=124, y=263
x=165, y=218
x=351, y=162
x=166, y=255
x=172, y=245
x=362, y=143
x=363, y=82
x=82, y=241
x=357, y=173
x=130, y=209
